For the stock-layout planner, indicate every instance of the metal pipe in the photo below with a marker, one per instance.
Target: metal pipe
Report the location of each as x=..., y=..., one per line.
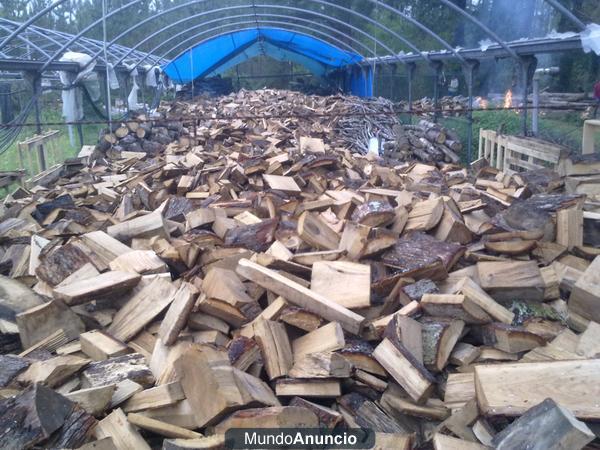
x=568, y=14
x=28, y=22
x=285, y=8
x=247, y=16
x=437, y=66
x=172, y=49
x=535, y=115
x=470, y=68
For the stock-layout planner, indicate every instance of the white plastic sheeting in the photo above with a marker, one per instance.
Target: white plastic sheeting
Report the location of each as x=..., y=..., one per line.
x=485, y=44
x=590, y=38
x=150, y=76
x=73, y=98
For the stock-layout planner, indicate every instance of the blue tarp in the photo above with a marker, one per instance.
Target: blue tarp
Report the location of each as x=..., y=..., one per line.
x=220, y=53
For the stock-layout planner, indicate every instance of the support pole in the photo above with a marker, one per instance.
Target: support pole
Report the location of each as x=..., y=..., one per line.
x=437, y=67
x=80, y=133
x=528, y=66
x=411, y=73
x=107, y=99
x=470, y=68
x=535, y=118
x=37, y=92
x=6, y=104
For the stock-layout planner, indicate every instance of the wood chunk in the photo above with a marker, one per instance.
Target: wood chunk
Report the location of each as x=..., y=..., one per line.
x=328, y=338
x=125, y=389
x=455, y=306
x=54, y=371
x=464, y=354
x=100, y=444
x=31, y=417
x=569, y=227
x=161, y=428
x=321, y=365
x=361, y=412
x=144, y=262
x=394, y=398
x=510, y=339
x=93, y=400
x=57, y=265
x=405, y=369
x=418, y=255
x=10, y=367
x=360, y=354
x=443, y=442
x=157, y=397
x=214, y=442
x=374, y=214
x=301, y=296
x=409, y=332
x=511, y=389
x=467, y=287
x=300, y=318
x=279, y=183
x=396, y=441
x=507, y=280
x=425, y=215
x=354, y=240
x=115, y=370
x=99, y=345
x=202, y=216
x=439, y=338
x=142, y=308
x=256, y=237
x=273, y=417
x=287, y=387
x=148, y=226
x=545, y=426
x=205, y=322
x=562, y=348
x=328, y=418
x=585, y=296
x=39, y=322
x=178, y=313
x=460, y=389
x=16, y=298
x=314, y=231
x=216, y=390
x=460, y=422
x=102, y=248
x=110, y=283
x=275, y=347
x=86, y=272
x=589, y=341
x=225, y=285
x=124, y=435
x=346, y=283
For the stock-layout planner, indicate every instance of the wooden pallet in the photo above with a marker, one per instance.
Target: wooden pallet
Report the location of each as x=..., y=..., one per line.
x=513, y=154
x=43, y=145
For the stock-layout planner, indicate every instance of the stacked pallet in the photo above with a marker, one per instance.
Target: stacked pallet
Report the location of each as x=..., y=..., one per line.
x=229, y=282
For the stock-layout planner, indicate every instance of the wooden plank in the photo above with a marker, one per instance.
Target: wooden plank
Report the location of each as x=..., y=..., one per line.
x=156, y=397
x=279, y=183
x=275, y=347
x=110, y=283
x=142, y=308
x=301, y=296
x=314, y=231
x=123, y=434
x=511, y=389
x=178, y=313
x=585, y=295
x=99, y=345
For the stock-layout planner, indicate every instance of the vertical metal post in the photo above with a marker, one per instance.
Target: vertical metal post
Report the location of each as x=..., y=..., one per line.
x=469, y=69
x=437, y=66
x=107, y=100
x=6, y=105
x=528, y=66
x=535, y=118
x=80, y=133
x=37, y=92
x=411, y=73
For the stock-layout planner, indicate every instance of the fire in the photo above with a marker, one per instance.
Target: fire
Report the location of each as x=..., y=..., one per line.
x=508, y=99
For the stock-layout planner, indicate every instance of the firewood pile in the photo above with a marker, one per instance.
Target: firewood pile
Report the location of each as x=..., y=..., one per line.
x=236, y=280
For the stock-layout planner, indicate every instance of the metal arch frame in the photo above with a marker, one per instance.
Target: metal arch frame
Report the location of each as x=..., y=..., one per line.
x=26, y=24
x=212, y=68
x=560, y=8
x=304, y=10
x=257, y=21
x=85, y=30
x=151, y=52
x=481, y=26
x=349, y=47
x=26, y=41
